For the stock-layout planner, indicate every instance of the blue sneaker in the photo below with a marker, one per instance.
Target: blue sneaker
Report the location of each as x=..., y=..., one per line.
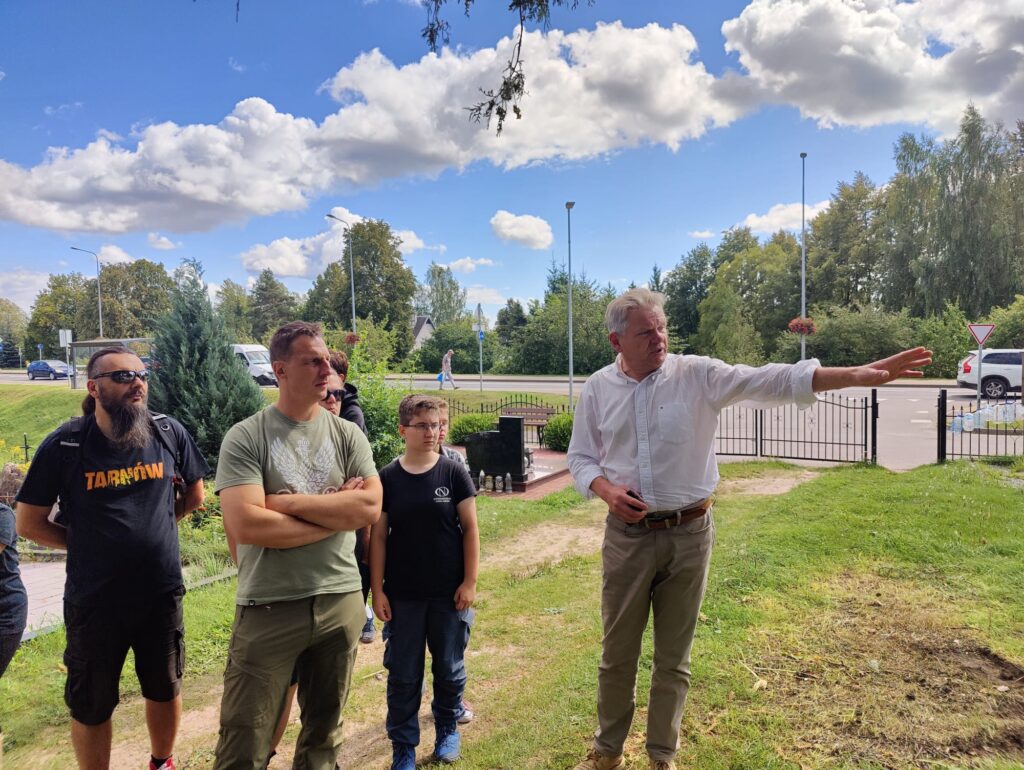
x=447, y=745
x=403, y=757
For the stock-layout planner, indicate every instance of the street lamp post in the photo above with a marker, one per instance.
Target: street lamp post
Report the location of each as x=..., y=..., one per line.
x=351, y=266
x=568, y=217
x=803, y=252
x=99, y=293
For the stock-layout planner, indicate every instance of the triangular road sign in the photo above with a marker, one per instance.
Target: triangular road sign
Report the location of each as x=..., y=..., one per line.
x=981, y=332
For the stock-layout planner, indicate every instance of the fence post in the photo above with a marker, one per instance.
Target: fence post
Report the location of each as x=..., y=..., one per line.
x=25, y=445
x=941, y=427
x=874, y=426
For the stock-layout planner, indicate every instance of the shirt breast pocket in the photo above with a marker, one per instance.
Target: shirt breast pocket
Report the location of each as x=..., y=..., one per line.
x=674, y=423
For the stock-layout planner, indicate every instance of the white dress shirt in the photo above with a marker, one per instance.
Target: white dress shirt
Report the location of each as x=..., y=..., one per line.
x=657, y=436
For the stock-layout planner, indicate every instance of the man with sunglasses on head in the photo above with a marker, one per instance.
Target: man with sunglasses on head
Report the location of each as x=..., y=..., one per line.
x=122, y=491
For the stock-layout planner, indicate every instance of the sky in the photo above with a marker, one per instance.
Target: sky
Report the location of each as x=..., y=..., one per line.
x=173, y=130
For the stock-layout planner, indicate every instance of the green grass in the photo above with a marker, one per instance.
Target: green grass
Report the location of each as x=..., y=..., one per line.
x=35, y=410
x=943, y=545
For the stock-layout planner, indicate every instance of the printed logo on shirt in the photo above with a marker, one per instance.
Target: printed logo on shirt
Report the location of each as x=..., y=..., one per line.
x=303, y=470
x=123, y=477
x=442, y=495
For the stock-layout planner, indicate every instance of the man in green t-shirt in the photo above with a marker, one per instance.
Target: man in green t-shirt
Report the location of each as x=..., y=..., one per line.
x=280, y=479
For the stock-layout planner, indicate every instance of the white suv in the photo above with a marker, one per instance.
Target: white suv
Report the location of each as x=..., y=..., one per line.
x=1001, y=372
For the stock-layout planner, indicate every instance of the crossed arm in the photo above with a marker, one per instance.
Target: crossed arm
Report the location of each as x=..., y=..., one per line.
x=252, y=517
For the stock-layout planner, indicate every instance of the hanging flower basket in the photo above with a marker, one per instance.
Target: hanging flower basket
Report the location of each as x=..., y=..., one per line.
x=351, y=338
x=802, y=326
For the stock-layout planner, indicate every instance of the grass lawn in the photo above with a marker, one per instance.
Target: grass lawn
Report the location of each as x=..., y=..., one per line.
x=35, y=410
x=864, y=620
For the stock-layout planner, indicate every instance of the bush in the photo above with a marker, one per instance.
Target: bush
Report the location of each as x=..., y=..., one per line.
x=379, y=402
x=470, y=423
x=558, y=431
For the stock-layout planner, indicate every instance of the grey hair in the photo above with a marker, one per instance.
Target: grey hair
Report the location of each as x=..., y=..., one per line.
x=617, y=313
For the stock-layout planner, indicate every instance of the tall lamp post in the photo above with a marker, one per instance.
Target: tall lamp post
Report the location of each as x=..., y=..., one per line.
x=351, y=266
x=803, y=252
x=568, y=218
x=99, y=294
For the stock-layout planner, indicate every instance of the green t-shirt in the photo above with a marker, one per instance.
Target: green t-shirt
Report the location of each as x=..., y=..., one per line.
x=288, y=457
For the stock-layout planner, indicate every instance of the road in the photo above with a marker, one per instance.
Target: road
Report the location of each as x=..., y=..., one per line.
x=906, y=435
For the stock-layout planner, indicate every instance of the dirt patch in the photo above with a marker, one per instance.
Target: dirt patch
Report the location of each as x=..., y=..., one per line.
x=545, y=544
x=776, y=484
x=884, y=677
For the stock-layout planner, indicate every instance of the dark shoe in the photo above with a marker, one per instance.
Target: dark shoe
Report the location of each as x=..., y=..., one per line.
x=369, y=633
x=466, y=715
x=447, y=745
x=403, y=757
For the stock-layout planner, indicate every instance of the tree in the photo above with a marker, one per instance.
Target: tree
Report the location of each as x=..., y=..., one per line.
x=655, y=282
x=55, y=308
x=497, y=101
x=726, y=331
x=686, y=285
x=440, y=296
x=385, y=285
x=134, y=295
x=328, y=301
x=196, y=378
x=271, y=305
x=510, y=322
x=233, y=309
x=459, y=337
x=13, y=323
x=1009, y=321
x=734, y=241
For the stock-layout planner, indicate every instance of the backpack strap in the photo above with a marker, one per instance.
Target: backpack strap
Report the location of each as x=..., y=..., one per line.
x=71, y=450
x=168, y=436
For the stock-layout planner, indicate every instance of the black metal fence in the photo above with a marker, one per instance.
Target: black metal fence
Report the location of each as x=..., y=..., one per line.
x=835, y=429
x=996, y=429
x=533, y=433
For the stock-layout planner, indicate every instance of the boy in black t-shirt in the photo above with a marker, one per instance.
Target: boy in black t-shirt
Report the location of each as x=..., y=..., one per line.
x=424, y=557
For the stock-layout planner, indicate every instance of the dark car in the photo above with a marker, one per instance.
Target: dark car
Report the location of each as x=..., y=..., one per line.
x=47, y=370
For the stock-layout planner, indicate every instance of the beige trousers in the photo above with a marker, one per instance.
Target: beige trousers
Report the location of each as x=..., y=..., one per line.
x=664, y=571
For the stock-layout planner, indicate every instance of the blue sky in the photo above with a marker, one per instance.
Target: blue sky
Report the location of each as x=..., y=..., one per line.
x=169, y=130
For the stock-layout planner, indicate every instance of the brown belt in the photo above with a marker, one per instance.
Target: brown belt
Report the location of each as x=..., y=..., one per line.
x=666, y=519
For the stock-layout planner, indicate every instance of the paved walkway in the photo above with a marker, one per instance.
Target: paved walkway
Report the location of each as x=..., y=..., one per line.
x=44, y=583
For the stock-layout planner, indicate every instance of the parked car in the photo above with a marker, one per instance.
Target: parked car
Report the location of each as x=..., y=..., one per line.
x=1000, y=372
x=256, y=359
x=48, y=370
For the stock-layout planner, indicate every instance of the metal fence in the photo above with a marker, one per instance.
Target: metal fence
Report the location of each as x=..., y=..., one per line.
x=995, y=429
x=533, y=433
x=834, y=429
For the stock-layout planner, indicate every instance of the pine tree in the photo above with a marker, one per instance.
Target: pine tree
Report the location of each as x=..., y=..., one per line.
x=196, y=378
x=271, y=305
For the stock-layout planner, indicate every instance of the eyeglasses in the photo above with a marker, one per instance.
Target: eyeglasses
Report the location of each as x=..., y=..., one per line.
x=336, y=393
x=123, y=376
x=433, y=427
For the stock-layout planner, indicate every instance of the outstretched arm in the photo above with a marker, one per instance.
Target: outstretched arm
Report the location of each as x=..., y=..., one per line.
x=904, y=364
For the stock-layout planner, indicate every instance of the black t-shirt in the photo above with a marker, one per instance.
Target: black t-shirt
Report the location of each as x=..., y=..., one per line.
x=13, y=599
x=118, y=509
x=424, y=546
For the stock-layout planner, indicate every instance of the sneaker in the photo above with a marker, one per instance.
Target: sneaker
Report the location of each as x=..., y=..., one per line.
x=167, y=764
x=403, y=757
x=447, y=745
x=369, y=633
x=662, y=764
x=466, y=716
x=597, y=761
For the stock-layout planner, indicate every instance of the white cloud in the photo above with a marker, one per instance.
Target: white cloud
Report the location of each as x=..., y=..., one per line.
x=211, y=291
x=161, y=242
x=2, y=74
x=702, y=233
x=302, y=257
x=524, y=229
x=21, y=286
x=62, y=110
x=412, y=242
x=114, y=255
x=233, y=64
x=868, y=62
x=468, y=264
x=783, y=216
x=484, y=295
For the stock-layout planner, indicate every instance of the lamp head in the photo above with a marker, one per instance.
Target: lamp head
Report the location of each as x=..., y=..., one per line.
x=803, y=155
x=570, y=204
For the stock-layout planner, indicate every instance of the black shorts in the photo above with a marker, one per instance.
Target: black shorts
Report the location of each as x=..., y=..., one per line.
x=98, y=639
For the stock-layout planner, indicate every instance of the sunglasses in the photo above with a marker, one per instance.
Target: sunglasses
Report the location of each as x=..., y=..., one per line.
x=336, y=393
x=124, y=376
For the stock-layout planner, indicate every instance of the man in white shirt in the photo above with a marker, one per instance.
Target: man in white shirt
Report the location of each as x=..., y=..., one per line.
x=643, y=441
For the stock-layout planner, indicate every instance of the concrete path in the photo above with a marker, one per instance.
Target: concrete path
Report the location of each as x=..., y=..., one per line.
x=44, y=583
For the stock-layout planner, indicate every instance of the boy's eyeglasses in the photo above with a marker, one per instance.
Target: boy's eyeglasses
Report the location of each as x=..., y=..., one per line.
x=433, y=427
x=336, y=393
x=123, y=376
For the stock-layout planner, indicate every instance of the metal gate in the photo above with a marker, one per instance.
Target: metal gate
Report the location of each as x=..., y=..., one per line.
x=834, y=429
x=964, y=430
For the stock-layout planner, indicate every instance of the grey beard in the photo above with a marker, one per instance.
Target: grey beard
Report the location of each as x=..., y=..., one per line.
x=130, y=423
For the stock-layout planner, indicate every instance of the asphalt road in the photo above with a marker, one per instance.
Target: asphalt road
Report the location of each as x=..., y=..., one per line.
x=906, y=424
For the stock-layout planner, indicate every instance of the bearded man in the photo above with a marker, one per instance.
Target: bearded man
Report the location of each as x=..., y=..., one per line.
x=122, y=489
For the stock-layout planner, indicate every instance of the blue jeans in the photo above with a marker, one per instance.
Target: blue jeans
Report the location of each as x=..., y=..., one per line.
x=417, y=624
